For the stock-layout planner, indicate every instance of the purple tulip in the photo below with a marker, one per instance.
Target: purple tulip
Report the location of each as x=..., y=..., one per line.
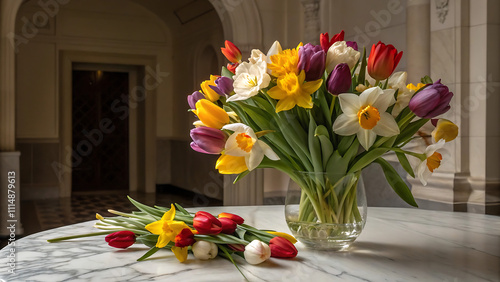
x=208, y=140
x=312, y=61
x=223, y=86
x=339, y=80
x=193, y=98
x=432, y=101
x=352, y=44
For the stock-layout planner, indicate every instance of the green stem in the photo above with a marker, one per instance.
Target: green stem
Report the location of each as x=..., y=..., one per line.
x=79, y=236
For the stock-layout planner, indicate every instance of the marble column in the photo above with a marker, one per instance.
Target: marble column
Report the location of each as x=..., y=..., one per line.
x=418, y=43
x=312, y=21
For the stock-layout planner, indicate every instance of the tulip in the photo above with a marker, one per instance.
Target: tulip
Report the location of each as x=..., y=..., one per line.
x=237, y=247
x=446, y=130
x=223, y=86
x=228, y=226
x=312, y=61
x=204, y=250
x=383, y=60
x=432, y=101
x=338, y=53
x=284, y=235
x=339, y=80
x=232, y=67
x=193, y=98
x=205, y=223
x=210, y=94
x=231, y=52
x=184, y=238
x=352, y=44
x=210, y=114
x=121, y=239
x=326, y=43
x=282, y=248
x=236, y=218
x=208, y=140
x=257, y=252
x=227, y=164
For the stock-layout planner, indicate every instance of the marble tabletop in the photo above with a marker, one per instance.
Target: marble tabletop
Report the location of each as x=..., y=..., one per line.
x=397, y=244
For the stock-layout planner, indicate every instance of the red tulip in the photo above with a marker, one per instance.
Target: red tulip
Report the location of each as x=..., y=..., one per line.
x=121, y=239
x=184, y=238
x=237, y=247
x=232, y=53
x=282, y=248
x=236, y=218
x=228, y=226
x=383, y=60
x=205, y=223
x=326, y=42
x=232, y=67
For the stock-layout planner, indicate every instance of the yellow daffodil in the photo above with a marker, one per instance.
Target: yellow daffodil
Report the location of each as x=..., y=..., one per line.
x=366, y=116
x=180, y=253
x=244, y=143
x=446, y=130
x=227, y=164
x=284, y=62
x=210, y=94
x=431, y=162
x=415, y=88
x=210, y=114
x=284, y=235
x=167, y=228
x=291, y=90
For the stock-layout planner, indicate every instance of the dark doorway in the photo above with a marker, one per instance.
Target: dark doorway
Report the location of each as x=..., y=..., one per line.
x=100, y=135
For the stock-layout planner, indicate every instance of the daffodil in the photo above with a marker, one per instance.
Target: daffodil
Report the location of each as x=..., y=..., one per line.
x=249, y=79
x=285, y=62
x=431, y=162
x=244, y=143
x=291, y=90
x=366, y=116
x=166, y=227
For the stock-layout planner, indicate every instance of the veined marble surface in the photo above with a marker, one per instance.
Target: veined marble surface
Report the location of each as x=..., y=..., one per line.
x=397, y=244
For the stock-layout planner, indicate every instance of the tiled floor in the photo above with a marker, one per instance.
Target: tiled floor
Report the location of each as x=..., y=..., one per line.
x=41, y=215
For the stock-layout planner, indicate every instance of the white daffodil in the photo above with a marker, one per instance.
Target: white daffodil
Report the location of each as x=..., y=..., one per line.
x=257, y=56
x=366, y=116
x=244, y=143
x=249, y=79
x=432, y=161
x=398, y=81
x=338, y=53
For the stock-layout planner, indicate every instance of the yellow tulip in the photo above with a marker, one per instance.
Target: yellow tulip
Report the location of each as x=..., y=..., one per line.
x=210, y=114
x=227, y=164
x=284, y=235
x=446, y=130
x=210, y=94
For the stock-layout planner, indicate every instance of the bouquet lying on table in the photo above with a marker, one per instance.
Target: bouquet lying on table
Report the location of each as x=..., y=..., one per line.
x=205, y=235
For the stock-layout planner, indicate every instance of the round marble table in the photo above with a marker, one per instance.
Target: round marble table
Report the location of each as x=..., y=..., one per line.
x=397, y=244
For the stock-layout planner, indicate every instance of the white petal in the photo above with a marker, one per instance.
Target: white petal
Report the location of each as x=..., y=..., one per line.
x=255, y=157
x=237, y=97
x=275, y=49
x=236, y=127
x=268, y=151
x=346, y=125
x=231, y=147
x=422, y=176
x=398, y=80
x=349, y=103
x=369, y=96
x=431, y=149
x=366, y=138
x=386, y=126
x=384, y=100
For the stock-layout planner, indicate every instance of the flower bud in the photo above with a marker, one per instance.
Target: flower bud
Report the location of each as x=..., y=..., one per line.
x=223, y=86
x=208, y=140
x=210, y=114
x=121, y=239
x=282, y=248
x=257, y=252
x=204, y=250
x=236, y=218
x=312, y=61
x=237, y=247
x=231, y=52
x=431, y=101
x=446, y=130
x=383, y=60
x=228, y=226
x=338, y=53
x=205, y=223
x=193, y=98
x=352, y=44
x=326, y=42
x=210, y=94
x=339, y=80
x=184, y=238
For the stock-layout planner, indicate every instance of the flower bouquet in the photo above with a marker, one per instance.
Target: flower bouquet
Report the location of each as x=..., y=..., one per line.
x=321, y=114
x=201, y=233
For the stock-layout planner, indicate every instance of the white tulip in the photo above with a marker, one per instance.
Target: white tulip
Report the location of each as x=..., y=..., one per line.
x=257, y=252
x=338, y=53
x=204, y=250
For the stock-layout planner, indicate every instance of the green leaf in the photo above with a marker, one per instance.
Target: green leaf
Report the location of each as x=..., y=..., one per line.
x=336, y=167
x=410, y=130
x=157, y=214
x=181, y=209
x=326, y=149
x=396, y=182
x=321, y=130
x=225, y=72
x=314, y=146
x=362, y=70
x=426, y=80
x=240, y=176
x=149, y=253
x=405, y=163
x=345, y=144
x=367, y=158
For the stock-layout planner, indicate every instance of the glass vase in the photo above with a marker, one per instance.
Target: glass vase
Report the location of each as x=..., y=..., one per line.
x=326, y=211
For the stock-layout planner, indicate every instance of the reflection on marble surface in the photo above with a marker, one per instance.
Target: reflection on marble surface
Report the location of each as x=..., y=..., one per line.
x=396, y=245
